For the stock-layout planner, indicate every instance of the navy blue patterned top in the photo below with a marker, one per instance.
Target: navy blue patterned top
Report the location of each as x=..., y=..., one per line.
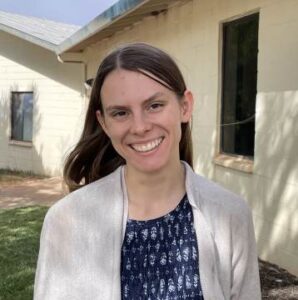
x=159, y=257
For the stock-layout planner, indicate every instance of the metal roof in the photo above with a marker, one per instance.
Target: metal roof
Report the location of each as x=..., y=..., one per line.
x=45, y=33
x=65, y=38
x=122, y=14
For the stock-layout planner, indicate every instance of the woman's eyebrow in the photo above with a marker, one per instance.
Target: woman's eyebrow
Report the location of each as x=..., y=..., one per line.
x=153, y=97
x=115, y=107
x=123, y=107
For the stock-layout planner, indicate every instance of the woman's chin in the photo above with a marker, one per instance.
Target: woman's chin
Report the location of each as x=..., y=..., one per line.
x=149, y=166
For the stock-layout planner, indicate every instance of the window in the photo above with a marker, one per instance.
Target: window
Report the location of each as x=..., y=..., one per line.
x=21, y=116
x=239, y=86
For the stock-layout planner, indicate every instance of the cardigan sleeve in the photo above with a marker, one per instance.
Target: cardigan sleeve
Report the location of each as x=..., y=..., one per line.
x=43, y=276
x=49, y=280
x=245, y=270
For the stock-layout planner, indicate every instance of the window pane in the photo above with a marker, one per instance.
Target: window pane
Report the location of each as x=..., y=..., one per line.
x=28, y=116
x=240, y=51
x=17, y=117
x=21, y=116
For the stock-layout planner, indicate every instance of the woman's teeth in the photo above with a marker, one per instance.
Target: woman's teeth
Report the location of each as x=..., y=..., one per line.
x=148, y=146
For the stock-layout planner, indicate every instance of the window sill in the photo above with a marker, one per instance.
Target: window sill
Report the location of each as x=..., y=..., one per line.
x=238, y=163
x=20, y=143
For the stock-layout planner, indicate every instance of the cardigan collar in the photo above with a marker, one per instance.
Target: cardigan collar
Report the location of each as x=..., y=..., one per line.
x=190, y=186
x=208, y=269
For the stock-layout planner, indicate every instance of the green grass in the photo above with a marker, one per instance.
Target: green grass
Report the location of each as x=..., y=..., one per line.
x=19, y=244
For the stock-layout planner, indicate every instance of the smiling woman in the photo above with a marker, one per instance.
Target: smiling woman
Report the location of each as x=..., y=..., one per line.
x=143, y=120
x=141, y=224
x=132, y=84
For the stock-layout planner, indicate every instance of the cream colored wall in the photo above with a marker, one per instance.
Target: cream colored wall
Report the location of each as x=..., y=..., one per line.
x=58, y=105
x=191, y=33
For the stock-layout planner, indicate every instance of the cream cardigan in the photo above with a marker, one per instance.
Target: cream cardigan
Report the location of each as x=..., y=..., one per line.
x=82, y=234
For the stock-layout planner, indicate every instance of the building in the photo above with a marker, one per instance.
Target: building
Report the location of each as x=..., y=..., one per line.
x=240, y=60
x=41, y=100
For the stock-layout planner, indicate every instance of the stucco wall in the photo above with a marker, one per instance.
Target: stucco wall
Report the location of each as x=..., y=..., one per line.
x=58, y=105
x=191, y=33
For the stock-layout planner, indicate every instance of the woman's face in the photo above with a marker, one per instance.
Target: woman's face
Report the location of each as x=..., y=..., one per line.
x=143, y=119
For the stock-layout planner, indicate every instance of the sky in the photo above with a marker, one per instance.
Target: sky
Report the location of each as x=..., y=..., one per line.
x=79, y=12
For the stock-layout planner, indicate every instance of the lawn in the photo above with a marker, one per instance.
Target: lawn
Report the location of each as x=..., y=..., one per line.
x=19, y=243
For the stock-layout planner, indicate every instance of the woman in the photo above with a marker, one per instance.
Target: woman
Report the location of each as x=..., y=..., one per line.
x=141, y=224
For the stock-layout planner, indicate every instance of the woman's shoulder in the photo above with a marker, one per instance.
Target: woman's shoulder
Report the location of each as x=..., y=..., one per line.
x=210, y=195
x=96, y=196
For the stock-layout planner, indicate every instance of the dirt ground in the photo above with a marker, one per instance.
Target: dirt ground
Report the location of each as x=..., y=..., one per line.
x=31, y=192
x=277, y=283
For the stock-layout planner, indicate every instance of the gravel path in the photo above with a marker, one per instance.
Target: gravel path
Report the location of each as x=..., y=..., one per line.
x=277, y=283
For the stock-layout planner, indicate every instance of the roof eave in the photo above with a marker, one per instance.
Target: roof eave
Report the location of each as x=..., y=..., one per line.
x=117, y=12
x=39, y=42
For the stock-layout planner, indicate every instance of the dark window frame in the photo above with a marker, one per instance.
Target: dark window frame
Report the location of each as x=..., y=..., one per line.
x=21, y=137
x=229, y=135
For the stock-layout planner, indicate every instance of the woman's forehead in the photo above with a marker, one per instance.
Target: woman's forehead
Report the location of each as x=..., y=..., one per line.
x=122, y=76
x=122, y=85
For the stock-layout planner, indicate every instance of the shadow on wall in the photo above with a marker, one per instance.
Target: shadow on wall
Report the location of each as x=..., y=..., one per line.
x=277, y=168
x=42, y=61
x=17, y=156
x=272, y=189
x=37, y=157
x=69, y=76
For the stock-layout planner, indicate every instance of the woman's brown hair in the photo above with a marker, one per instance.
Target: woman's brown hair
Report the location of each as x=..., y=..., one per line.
x=94, y=156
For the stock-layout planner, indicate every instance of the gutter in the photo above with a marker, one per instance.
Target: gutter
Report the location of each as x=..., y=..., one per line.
x=104, y=20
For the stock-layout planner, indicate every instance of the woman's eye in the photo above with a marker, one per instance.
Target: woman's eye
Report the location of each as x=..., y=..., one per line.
x=119, y=114
x=156, y=106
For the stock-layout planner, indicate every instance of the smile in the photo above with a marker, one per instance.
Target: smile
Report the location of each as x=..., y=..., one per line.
x=148, y=146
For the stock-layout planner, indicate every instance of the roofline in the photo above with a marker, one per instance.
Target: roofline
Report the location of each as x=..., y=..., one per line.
x=119, y=10
x=32, y=39
x=107, y=18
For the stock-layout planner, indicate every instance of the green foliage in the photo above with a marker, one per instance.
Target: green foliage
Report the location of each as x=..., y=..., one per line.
x=19, y=244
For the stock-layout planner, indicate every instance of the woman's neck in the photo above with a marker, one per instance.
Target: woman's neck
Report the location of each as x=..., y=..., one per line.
x=155, y=194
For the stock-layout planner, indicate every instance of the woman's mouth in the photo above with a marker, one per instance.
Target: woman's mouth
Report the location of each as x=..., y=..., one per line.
x=146, y=147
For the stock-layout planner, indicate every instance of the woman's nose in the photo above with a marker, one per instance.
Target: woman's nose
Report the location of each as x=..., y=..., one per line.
x=140, y=124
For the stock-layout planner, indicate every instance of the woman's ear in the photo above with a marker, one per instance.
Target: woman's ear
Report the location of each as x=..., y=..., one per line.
x=186, y=106
x=101, y=121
